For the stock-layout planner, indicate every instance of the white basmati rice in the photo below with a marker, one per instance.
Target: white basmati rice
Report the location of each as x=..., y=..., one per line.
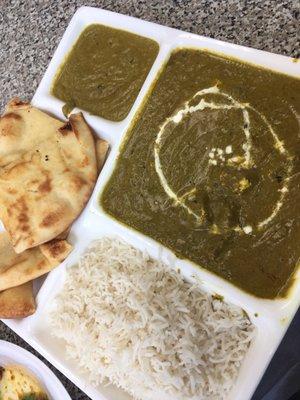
x=132, y=321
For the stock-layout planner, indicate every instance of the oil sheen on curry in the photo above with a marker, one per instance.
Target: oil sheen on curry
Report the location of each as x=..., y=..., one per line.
x=210, y=169
x=105, y=71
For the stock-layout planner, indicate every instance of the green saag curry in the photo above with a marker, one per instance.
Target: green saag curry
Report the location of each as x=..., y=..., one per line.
x=105, y=71
x=210, y=169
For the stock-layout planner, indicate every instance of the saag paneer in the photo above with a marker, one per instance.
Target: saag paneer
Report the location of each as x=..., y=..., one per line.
x=210, y=169
x=105, y=71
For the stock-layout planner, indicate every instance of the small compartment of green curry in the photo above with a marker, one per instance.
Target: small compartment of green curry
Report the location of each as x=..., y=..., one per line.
x=211, y=169
x=105, y=71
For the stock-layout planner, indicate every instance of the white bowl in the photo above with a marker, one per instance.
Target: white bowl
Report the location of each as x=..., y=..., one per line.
x=13, y=354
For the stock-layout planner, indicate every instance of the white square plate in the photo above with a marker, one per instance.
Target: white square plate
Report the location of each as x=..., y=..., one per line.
x=274, y=316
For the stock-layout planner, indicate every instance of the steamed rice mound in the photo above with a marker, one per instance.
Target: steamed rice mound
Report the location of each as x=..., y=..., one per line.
x=132, y=321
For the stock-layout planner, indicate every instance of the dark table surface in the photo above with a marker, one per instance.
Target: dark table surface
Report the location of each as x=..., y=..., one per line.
x=30, y=31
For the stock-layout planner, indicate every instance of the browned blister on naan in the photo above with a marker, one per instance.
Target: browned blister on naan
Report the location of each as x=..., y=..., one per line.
x=47, y=172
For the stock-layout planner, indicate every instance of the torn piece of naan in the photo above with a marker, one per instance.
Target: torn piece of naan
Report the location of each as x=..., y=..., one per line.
x=48, y=170
x=16, y=269
x=17, y=302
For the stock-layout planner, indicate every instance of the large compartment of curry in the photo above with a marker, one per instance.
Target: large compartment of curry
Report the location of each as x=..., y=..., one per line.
x=210, y=169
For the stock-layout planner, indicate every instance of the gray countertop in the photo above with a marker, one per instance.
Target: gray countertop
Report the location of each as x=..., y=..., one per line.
x=31, y=30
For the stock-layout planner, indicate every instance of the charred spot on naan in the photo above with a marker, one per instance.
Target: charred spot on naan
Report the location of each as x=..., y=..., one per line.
x=56, y=248
x=45, y=186
x=20, y=205
x=12, y=115
x=41, y=264
x=19, y=210
x=79, y=182
x=53, y=217
x=56, y=251
x=85, y=162
x=71, y=126
x=40, y=185
x=11, y=125
x=17, y=103
x=66, y=129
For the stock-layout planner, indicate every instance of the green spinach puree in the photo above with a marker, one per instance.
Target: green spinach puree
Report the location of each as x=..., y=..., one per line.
x=210, y=169
x=105, y=71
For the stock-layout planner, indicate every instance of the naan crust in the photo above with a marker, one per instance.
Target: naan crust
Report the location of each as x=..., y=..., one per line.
x=102, y=147
x=48, y=170
x=16, y=269
x=17, y=302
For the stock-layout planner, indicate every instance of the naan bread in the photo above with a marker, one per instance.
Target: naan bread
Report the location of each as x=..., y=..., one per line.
x=102, y=148
x=47, y=172
x=55, y=251
x=17, y=302
x=16, y=269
